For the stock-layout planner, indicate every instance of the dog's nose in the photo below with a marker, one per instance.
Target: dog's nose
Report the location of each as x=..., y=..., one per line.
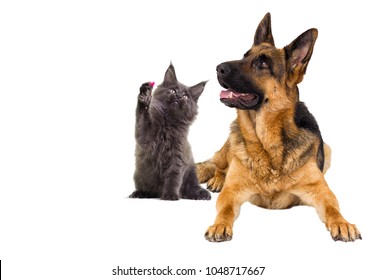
x=223, y=69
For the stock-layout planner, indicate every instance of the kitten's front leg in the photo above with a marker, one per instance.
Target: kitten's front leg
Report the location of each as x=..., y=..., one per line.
x=143, y=121
x=144, y=96
x=172, y=184
x=191, y=188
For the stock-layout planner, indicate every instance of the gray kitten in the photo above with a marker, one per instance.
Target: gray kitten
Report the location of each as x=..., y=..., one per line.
x=164, y=162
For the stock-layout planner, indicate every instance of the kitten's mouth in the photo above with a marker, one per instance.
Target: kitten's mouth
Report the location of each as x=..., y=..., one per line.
x=179, y=102
x=239, y=100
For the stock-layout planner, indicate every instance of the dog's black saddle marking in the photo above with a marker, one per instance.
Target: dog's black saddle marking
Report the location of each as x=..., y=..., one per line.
x=304, y=119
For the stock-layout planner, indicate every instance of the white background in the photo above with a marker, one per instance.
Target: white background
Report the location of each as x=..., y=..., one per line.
x=69, y=78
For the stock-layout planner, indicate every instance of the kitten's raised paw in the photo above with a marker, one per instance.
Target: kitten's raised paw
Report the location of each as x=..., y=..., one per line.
x=145, y=92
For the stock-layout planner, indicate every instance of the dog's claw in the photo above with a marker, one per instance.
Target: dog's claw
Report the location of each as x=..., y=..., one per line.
x=216, y=183
x=344, y=232
x=219, y=233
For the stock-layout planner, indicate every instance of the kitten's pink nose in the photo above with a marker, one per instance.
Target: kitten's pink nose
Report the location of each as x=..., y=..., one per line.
x=151, y=84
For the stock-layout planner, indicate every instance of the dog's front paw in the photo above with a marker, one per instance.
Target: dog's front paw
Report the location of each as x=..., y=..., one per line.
x=344, y=232
x=216, y=183
x=218, y=233
x=145, y=92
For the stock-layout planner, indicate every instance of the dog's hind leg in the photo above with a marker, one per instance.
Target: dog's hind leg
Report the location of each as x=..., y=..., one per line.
x=327, y=157
x=215, y=184
x=213, y=171
x=205, y=170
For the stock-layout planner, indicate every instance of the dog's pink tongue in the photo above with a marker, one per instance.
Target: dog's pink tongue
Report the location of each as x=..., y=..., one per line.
x=229, y=94
x=226, y=94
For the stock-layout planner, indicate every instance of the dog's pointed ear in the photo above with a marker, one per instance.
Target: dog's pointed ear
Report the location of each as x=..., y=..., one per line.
x=264, y=31
x=197, y=90
x=170, y=76
x=298, y=54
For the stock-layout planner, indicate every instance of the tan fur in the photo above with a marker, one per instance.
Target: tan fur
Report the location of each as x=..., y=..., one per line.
x=254, y=165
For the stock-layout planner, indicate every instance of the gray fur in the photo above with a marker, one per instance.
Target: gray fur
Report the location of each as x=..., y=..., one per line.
x=164, y=162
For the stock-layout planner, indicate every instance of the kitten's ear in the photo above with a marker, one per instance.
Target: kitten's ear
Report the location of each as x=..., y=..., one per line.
x=197, y=90
x=170, y=76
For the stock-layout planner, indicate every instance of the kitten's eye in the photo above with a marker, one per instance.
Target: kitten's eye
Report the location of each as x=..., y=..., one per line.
x=172, y=91
x=185, y=97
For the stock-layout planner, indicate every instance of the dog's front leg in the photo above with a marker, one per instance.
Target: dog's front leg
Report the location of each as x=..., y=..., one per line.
x=230, y=199
x=318, y=195
x=227, y=210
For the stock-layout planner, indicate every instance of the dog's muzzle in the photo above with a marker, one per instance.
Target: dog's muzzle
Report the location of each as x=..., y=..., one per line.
x=239, y=91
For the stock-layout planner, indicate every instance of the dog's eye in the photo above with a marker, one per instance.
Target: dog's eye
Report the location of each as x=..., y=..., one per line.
x=262, y=65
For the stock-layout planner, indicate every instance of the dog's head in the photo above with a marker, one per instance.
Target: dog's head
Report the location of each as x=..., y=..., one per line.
x=266, y=74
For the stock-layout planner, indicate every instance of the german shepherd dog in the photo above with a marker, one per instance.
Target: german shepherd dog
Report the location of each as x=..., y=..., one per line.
x=274, y=156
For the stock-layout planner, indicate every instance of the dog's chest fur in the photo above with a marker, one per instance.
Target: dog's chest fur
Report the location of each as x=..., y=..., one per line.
x=272, y=151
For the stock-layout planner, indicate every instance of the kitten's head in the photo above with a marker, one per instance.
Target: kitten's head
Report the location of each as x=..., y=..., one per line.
x=175, y=100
